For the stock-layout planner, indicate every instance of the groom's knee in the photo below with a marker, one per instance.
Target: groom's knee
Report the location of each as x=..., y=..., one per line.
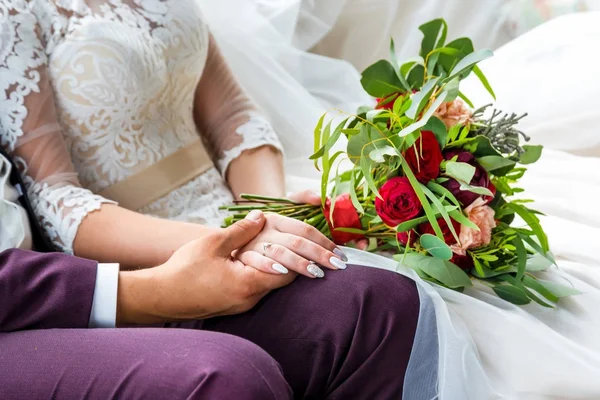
x=221, y=367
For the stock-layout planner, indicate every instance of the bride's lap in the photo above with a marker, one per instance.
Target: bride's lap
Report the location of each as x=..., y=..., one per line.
x=323, y=331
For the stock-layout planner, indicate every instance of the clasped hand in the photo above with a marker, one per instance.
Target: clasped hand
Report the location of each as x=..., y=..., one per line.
x=227, y=271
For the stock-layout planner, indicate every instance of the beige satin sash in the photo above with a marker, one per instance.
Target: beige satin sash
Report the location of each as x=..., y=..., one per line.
x=159, y=179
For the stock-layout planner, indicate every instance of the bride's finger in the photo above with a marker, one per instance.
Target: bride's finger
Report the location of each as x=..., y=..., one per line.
x=311, y=251
x=292, y=261
x=299, y=228
x=262, y=263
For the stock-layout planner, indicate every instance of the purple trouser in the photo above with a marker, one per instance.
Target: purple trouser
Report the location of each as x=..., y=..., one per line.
x=348, y=336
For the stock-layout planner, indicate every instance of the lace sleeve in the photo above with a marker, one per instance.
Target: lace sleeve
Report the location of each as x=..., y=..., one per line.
x=29, y=129
x=227, y=119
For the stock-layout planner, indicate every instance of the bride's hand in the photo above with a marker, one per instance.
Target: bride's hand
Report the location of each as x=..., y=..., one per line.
x=286, y=244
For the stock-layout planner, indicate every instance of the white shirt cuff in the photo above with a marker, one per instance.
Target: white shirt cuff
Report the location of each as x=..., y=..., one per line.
x=104, y=303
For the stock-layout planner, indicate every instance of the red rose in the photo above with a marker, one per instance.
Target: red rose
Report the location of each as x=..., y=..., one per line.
x=463, y=262
x=426, y=227
x=481, y=177
x=424, y=157
x=407, y=238
x=344, y=216
x=398, y=202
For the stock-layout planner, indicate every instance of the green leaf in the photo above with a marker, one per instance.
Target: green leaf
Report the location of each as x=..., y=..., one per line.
x=466, y=99
x=330, y=141
x=416, y=76
x=469, y=61
x=521, y=257
x=442, y=191
x=396, y=66
x=538, y=262
x=461, y=47
x=351, y=230
x=441, y=209
x=438, y=128
x=419, y=124
x=512, y=294
x=413, y=223
x=477, y=71
x=443, y=271
x=378, y=153
x=434, y=35
x=479, y=145
x=317, y=137
x=325, y=175
x=559, y=290
x=364, y=142
x=531, y=155
x=436, y=247
x=380, y=80
x=453, y=89
x=353, y=195
x=365, y=166
x=475, y=189
x=420, y=99
x=461, y=219
x=494, y=163
x=483, y=272
x=460, y=171
x=532, y=283
x=533, y=222
x=416, y=185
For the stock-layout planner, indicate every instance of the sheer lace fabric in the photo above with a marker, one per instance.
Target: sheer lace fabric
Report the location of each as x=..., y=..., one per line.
x=98, y=90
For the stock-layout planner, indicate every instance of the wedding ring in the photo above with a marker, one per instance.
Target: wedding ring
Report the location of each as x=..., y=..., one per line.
x=266, y=245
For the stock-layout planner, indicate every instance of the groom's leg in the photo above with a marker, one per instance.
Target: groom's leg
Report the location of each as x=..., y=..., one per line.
x=348, y=336
x=136, y=364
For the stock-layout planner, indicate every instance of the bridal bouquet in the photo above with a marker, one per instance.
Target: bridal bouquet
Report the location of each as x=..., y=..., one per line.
x=431, y=179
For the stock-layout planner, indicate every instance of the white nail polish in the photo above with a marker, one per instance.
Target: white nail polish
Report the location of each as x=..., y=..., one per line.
x=340, y=254
x=339, y=264
x=280, y=268
x=315, y=271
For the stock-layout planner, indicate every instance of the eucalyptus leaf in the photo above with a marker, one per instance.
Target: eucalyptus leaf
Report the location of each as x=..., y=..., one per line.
x=460, y=171
x=494, y=163
x=461, y=47
x=558, y=289
x=476, y=189
x=378, y=153
x=469, y=61
x=512, y=294
x=436, y=247
x=420, y=99
x=538, y=262
x=531, y=155
x=540, y=288
x=434, y=35
x=380, y=80
x=443, y=271
x=426, y=116
x=521, y=257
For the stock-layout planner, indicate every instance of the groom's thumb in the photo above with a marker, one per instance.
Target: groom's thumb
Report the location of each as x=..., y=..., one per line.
x=242, y=232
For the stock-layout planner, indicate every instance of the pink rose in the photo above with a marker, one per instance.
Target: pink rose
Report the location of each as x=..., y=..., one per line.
x=482, y=216
x=453, y=112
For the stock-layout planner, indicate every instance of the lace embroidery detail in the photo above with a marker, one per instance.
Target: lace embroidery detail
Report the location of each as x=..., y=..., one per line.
x=123, y=75
x=255, y=133
x=197, y=201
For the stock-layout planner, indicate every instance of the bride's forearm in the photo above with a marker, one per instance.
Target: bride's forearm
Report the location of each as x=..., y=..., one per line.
x=257, y=171
x=114, y=234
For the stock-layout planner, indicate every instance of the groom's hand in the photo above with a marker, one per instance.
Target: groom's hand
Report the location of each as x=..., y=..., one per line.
x=200, y=280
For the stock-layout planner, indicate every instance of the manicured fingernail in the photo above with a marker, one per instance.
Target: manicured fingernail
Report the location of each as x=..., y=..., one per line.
x=340, y=254
x=254, y=215
x=339, y=264
x=315, y=271
x=280, y=268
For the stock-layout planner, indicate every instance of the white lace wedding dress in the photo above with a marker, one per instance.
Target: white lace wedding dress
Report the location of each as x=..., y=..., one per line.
x=97, y=90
